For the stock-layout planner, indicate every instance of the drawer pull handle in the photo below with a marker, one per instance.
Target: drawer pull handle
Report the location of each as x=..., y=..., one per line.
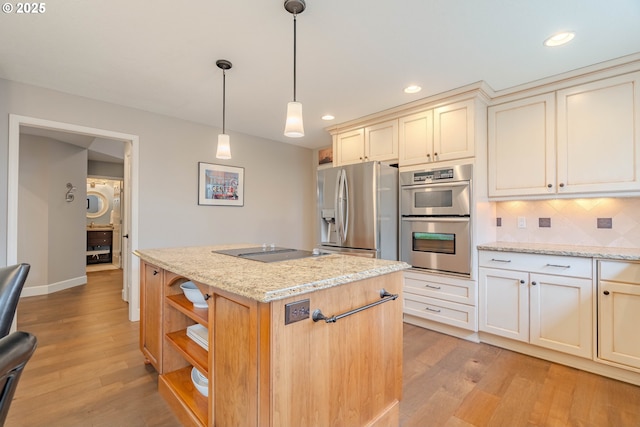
x=558, y=265
x=155, y=272
x=500, y=260
x=384, y=295
x=432, y=309
x=432, y=287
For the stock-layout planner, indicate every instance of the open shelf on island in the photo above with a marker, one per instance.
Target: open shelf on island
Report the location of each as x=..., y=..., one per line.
x=190, y=350
x=182, y=304
x=178, y=389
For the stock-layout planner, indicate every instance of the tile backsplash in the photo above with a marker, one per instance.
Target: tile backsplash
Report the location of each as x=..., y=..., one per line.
x=609, y=222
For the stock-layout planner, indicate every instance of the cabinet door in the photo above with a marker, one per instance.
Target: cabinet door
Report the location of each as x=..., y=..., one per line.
x=619, y=308
x=598, y=136
x=504, y=303
x=453, y=131
x=381, y=141
x=151, y=314
x=561, y=314
x=348, y=147
x=416, y=138
x=521, y=147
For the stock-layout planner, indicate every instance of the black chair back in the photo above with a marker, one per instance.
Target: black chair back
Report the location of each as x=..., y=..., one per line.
x=15, y=351
x=12, y=279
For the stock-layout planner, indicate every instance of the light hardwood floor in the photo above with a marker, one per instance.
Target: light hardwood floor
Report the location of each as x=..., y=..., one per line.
x=88, y=371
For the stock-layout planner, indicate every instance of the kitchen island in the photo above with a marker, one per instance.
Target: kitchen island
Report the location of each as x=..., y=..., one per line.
x=269, y=363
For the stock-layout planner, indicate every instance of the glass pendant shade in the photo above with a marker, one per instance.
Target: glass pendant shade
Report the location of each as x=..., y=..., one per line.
x=224, y=148
x=294, y=127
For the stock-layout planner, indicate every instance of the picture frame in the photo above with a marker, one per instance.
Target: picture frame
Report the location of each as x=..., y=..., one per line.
x=220, y=185
x=325, y=155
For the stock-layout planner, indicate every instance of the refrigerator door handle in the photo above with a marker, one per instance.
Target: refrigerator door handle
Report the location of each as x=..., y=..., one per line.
x=342, y=203
x=345, y=223
x=338, y=205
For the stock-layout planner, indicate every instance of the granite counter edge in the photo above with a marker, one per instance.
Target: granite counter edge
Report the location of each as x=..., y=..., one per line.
x=627, y=254
x=274, y=295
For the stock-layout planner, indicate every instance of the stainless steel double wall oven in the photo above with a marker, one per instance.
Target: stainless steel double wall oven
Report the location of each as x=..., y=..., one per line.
x=435, y=228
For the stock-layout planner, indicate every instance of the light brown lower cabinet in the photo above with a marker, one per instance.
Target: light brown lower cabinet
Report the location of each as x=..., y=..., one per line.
x=263, y=372
x=151, y=280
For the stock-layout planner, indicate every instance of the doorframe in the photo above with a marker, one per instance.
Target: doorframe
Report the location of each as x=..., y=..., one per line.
x=131, y=146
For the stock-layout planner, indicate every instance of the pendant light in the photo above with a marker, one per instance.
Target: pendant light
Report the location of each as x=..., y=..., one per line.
x=294, y=127
x=224, y=148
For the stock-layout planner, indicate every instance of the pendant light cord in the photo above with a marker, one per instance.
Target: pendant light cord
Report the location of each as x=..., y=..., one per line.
x=294, y=57
x=224, y=97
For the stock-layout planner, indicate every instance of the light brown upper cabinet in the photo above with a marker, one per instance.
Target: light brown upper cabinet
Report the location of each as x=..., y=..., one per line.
x=579, y=140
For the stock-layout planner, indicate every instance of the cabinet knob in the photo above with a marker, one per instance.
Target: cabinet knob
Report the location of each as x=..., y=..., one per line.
x=522, y=282
x=561, y=185
x=155, y=272
x=606, y=292
x=435, y=154
x=428, y=156
x=533, y=283
x=549, y=185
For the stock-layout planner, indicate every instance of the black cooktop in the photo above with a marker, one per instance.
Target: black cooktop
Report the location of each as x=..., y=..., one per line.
x=268, y=254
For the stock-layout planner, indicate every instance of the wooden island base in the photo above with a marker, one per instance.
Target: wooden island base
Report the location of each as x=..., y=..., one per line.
x=263, y=372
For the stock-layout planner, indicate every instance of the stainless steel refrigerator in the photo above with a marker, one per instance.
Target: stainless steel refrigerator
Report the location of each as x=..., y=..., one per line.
x=358, y=210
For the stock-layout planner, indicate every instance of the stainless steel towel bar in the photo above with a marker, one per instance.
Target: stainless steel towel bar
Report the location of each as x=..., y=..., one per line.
x=386, y=296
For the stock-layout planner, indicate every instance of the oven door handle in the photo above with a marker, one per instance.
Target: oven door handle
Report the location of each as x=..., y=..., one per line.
x=437, y=219
x=437, y=184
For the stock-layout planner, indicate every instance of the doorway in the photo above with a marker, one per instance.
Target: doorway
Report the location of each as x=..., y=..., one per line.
x=131, y=271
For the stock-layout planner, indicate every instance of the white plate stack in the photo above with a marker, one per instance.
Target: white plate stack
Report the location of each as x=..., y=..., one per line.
x=199, y=334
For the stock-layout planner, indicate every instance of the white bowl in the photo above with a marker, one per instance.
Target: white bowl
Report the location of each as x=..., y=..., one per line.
x=193, y=294
x=202, y=385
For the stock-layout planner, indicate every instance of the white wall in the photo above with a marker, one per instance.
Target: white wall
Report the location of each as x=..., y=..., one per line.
x=279, y=192
x=51, y=230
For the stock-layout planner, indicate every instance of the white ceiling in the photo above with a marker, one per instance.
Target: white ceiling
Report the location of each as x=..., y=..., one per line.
x=354, y=57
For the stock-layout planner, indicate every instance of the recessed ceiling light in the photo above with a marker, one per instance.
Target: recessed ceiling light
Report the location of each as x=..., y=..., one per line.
x=328, y=117
x=559, y=39
x=412, y=89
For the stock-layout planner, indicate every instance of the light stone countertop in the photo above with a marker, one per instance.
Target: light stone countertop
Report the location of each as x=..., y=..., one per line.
x=266, y=282
x=630, y=254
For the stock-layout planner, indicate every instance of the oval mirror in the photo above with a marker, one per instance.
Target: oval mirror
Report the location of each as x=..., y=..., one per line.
x=97, y=204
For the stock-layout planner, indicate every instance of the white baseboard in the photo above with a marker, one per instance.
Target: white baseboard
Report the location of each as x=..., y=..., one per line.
x=442, y=328
x=30, y=291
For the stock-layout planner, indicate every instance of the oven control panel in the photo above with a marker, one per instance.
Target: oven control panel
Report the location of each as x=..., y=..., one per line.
x=427, y=176
x=433, y=175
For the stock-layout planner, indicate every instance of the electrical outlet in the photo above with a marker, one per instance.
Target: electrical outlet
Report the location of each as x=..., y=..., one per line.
x=522, y=222
x=296, y=311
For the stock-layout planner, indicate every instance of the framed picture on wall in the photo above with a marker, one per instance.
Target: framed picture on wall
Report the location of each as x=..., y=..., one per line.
x=325, y=155
x=220, y=185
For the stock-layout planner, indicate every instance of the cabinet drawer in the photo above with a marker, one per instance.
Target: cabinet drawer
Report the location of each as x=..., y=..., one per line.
x=99, y=242
x=535, y=263
x=99, y=238
x=451, y=313
x=619, y=271
x=99, y=234
x=446, y=288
